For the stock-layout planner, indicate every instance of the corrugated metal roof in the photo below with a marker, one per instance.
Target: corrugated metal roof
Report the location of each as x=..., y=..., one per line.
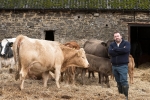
x=76, y=4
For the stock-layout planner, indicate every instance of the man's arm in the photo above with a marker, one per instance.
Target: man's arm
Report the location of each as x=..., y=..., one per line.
x=123, y=50
x=111, y=51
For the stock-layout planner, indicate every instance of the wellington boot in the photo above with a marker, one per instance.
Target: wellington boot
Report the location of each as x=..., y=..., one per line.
x=125, y=91
x=120, y=88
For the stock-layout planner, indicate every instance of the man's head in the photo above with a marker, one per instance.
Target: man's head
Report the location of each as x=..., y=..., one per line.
x=117, y=37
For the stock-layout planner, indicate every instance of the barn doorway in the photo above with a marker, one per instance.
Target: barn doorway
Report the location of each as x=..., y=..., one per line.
x=140, y=42
x=49, y=35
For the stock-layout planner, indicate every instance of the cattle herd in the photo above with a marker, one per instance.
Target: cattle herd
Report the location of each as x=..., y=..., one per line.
x=43, y=59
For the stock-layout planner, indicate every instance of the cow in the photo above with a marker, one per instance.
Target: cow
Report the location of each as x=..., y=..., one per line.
x=131, y=66
x=38, y=57
x=97, y=64
x=70, y=71
x=6, y=53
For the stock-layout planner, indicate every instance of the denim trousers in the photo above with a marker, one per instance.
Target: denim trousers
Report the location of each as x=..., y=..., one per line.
x=120, y=74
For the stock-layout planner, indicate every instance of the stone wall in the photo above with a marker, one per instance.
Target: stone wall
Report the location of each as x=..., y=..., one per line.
x=68, y=25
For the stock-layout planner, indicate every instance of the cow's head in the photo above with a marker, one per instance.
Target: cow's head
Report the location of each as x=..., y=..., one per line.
x=107, y=44
x=6, y=51
x=81, y=59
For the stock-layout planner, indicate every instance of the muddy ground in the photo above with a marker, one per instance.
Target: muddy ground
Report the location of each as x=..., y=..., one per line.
x=34, y=90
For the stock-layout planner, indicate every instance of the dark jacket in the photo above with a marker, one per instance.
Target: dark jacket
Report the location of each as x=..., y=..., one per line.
x=119, y=55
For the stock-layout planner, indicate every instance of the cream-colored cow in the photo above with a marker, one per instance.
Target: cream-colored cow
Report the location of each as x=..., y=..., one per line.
x=38, y=57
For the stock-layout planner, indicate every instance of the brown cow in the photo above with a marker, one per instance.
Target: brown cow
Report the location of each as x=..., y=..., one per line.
x=70, y=71
x=131, y=66
x=98, y=64
x=40, y=56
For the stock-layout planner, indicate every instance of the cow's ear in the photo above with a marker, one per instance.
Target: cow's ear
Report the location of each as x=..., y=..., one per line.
x=10, y=44
x=104, y=44
x=81, y=51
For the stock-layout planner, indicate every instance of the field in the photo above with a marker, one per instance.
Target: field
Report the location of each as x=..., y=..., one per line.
x=34, y=90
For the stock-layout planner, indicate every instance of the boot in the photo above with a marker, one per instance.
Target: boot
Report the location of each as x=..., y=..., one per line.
x=125, y=91
x=119, y=88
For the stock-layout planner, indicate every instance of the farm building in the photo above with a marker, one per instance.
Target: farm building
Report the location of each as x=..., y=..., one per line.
x=80, y=20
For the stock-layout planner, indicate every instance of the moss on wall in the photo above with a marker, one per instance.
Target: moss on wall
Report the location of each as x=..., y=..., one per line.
x=75, y=4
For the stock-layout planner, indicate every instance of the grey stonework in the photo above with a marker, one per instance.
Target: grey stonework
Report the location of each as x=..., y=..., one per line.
x=79, y=26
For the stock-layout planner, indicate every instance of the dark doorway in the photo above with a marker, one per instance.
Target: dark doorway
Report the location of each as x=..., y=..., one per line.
x=49, y=35
x=140, y=43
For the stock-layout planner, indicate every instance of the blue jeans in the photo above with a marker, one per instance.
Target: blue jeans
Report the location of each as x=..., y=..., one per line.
x=120, y=74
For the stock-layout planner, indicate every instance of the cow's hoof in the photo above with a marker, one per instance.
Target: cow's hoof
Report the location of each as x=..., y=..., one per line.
x=21, y=88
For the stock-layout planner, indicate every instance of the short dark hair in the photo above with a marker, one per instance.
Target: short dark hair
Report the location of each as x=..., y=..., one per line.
x=116, y=33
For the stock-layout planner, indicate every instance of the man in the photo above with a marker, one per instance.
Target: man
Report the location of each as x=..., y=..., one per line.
x=119, y=51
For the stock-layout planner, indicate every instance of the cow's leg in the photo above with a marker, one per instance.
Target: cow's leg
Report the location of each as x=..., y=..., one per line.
x=11, y=68
x=101, y=79
x=77, y=72
x=45, y=77
x=107, y=81
x=22, y=84
x=23, y=74
x=52, y=75
x=67, y=78
x=91, y=72
x=73, y=78
x=99, y=74
x=61, y=77
x=71, y=75
x=17, y=75
x=57, y=74
x=83, y=76
x=131, y=76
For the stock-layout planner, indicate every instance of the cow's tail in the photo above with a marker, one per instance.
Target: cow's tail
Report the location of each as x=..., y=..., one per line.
x=16, y=47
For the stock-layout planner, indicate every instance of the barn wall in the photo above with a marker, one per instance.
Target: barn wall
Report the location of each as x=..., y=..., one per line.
x=69, y=25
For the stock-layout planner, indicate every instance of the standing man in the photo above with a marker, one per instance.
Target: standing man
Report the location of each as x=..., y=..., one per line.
x=119, y=51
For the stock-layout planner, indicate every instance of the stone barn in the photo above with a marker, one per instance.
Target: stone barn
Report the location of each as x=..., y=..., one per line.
x=80, y=20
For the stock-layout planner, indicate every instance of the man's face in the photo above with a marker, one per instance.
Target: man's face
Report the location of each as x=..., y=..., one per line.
x=117, y=37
